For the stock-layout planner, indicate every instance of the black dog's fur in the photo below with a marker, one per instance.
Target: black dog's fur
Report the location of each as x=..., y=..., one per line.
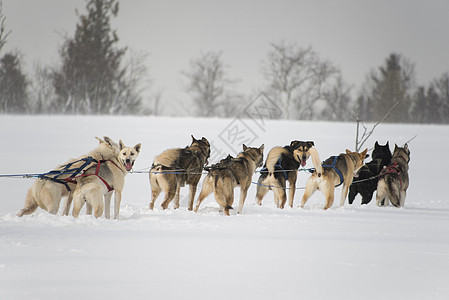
x=381, y=157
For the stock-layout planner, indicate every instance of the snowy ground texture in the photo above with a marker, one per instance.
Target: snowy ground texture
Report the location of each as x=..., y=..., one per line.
x=350, y=252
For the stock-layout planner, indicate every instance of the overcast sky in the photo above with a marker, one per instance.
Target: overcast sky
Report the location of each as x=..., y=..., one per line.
x=355, y=35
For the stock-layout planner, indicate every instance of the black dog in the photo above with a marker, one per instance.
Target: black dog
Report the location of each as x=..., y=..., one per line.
x=381, y=157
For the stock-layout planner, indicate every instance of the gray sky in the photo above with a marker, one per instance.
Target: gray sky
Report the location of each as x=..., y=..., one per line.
x=355, y=35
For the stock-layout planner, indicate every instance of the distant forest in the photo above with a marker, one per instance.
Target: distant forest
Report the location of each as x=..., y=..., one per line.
x=94, y=76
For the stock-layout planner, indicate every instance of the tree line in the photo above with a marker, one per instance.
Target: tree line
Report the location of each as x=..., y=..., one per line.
x=96, y=76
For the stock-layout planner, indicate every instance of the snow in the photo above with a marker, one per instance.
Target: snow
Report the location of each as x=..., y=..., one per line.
x=350, y=252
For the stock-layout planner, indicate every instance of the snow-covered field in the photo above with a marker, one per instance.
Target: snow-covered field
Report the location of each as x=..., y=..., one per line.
x=350, y=252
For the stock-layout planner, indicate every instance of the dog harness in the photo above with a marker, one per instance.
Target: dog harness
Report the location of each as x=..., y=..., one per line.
x=277, y=167
x=97, y=170
x=336, y=170
x=53, y=175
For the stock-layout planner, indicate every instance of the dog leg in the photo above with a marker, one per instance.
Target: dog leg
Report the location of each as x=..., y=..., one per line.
x=206, y=190
x=229, y=199
x=88, y=209
x=176, y=202
x=291, y=192
x=352, y=193
x=282, y=196
x=311, y=187
x=78, y=202
x=262, y=190
x=169, y=195
x=276, y=198
x=30, y=205
x=380, y=195
x=344, y=193
x=117, y=201
x=403, y=194
x=328, y=191
x=192, y=192
x=243, y=193
x=107, y=205
x=155, y=192
x=67, y=204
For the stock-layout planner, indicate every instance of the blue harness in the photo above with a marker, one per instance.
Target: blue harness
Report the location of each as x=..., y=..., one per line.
x=53, y=175
x=336, y=170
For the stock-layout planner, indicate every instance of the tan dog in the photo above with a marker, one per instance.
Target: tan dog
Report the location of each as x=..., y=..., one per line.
x=174, y=168
x=336, y=170
x=230, y=173
x=47, y=192
x=103, y=178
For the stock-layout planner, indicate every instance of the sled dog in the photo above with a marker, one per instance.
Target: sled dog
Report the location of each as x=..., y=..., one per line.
x=174, y=168
x=337, y=170
x=102, y=179
x=47, y=191
x=366, y=182
x=228, y=174
x=393, y=182
x=281, y=166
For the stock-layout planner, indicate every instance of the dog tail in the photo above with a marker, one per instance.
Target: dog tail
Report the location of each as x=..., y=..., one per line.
x=316, y=161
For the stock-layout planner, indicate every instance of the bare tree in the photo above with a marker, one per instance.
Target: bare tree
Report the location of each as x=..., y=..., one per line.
x=296, y=79
x=442, y=88
x=3, y=33
x=209, y=85
x=338, y=101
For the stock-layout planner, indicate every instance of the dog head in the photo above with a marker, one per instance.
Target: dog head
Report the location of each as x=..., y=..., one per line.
x=128, y=155
x=358, y=159
x=301, y=151
x=201, y=146
x=256, y=154
x=106, y=149
x=402, y=152
x=382, y=152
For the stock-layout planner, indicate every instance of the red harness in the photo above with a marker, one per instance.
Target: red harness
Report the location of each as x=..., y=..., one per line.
x=97, y=170
x=390, y=169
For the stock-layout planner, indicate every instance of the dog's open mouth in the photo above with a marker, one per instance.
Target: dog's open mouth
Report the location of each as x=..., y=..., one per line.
x=302, y=162
x=128, y=165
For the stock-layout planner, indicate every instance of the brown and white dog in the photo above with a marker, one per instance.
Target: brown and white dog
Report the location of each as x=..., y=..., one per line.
x=174, y=168
x=229, y=173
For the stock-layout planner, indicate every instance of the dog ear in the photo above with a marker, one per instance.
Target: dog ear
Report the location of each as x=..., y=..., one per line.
x=294, y=143
x=205, y=140
x=244, y=147
x=311, y=143
x=99, y=140
x=406, y=146
x=193, y=138
x=376, y=145
x=387, y=144
x=121, y=144
x=364, y=153
x=108, y=140
x=138, y=147
x=348, y=151
x=261, y=148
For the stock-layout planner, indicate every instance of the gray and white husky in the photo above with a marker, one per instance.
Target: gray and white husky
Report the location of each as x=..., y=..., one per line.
x=393, y=181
